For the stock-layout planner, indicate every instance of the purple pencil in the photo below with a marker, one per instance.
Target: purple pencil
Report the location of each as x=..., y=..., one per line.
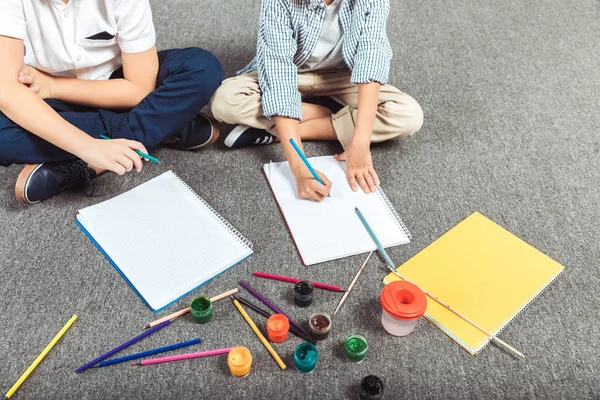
x=121, y=347
x=272, y=306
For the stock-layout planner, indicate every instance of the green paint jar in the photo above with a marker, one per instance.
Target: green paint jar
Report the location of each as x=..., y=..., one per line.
x=356, y=348
x=201, y=309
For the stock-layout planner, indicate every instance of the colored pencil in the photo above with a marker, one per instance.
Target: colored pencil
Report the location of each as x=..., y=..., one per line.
x=267, y=314
x=258, y=333
x=141, y=154
x=390, y=266
x=385, y=255
x=464, y=317
x=351, y=285
x=39, y=358
x=121, y=347
x=305, y=161
x=272, y=306
x=187, y=310
x=319, y=285
x=148, y=353
x=183, y=357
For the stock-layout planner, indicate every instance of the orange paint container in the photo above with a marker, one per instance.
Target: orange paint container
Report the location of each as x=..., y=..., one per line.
x=278, y=327
x=239, y=361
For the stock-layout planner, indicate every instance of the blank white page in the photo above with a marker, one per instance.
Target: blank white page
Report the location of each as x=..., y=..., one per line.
x=331, y=229
x=164, y=239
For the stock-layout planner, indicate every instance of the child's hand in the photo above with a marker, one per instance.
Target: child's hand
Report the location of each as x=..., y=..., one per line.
x=359, y=168
x=116, y=155
x=308, y=187
x=38, y=82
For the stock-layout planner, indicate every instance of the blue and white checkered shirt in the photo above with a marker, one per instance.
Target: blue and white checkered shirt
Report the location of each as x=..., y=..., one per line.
x=288, y=34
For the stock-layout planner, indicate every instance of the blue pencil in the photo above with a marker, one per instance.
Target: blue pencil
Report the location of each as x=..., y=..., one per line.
x=305, y=160
x=141, y=154
x=385, y=255
x=121, y=347
x=148, y=353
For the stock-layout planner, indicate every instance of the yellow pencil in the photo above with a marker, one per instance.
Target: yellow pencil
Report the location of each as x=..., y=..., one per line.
x=39, y=358
x=258, y=333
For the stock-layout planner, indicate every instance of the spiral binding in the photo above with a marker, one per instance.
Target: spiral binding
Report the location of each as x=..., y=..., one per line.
x=218, y=217
x=392, y=211
x=522, y=307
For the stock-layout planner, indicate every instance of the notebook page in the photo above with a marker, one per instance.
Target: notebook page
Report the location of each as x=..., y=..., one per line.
x=331, y=229
x=163, y=239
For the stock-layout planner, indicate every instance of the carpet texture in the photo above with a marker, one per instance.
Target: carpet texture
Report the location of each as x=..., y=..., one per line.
x=511, y=93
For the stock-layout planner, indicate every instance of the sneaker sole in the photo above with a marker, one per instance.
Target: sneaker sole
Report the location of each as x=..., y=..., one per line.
x=214, y=135
x=235, y=134
x=23, y=182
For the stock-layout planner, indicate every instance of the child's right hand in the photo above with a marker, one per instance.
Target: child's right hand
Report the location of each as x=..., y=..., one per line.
x=308, y=187
x=116, y=155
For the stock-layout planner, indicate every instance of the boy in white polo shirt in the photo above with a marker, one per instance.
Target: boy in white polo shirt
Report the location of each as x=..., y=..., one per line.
x=73, y=70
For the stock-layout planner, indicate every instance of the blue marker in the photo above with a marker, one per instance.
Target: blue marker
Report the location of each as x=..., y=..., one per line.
x=385, y=255
x=141, y=154
x=305, y=160
x=149, y=353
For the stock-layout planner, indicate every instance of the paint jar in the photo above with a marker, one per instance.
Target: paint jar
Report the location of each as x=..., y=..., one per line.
x=306, y=357
x=303, y=293
x=402, y=305
x=356, y=348
x=319, y=326
x=278, y=327
x=201, y=309
x=371, y=388
x=239, y=361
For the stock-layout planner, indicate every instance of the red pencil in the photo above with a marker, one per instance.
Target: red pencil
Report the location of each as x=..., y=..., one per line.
x=295, y=280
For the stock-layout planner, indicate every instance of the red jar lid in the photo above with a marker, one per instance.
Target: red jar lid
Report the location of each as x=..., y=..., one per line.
x=403, y=300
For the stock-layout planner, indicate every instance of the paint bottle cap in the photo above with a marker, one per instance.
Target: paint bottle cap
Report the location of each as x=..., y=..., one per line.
x=371, y=388
x=303, y=293
x=201, y=309
x=319, y=326
x=278, y=327
x=356, y=348
x=306, y=356
x=403, y=300
x=239, y=361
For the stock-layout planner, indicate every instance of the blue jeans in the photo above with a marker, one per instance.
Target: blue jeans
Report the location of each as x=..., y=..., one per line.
x=187, y=79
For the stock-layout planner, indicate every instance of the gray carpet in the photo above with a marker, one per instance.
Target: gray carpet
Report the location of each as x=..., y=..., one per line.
x=511, y=93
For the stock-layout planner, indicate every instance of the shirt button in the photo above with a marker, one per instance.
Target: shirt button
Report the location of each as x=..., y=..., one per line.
x=66, y=13
x=78, y=58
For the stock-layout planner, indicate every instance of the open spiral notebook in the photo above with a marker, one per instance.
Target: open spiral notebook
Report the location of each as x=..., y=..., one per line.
x=331, y=229
x=163, y=239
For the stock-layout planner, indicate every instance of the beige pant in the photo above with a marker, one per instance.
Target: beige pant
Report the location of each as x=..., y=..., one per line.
x=238, y=102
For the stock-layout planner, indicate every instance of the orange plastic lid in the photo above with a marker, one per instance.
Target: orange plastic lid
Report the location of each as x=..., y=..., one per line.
x=403, y=300
x=277, y=327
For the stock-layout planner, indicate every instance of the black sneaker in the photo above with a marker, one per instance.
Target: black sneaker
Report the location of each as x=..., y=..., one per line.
x=200, y=132
x=243, y=135
x=332, y=103
x=38, y=182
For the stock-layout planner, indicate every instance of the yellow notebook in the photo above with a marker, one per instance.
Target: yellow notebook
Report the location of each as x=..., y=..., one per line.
x=483, y=271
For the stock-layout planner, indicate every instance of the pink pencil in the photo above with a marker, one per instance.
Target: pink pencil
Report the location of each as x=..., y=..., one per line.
x=182, y=357
x=319, y=285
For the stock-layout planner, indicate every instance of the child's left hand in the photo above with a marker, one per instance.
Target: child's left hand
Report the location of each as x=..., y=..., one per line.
x=359, y=168
x=38, y=82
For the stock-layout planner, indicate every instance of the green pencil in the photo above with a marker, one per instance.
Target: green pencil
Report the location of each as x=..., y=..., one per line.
x=142, y=154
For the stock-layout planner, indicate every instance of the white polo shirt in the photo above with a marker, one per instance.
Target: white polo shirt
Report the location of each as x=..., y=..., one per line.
x=81, y=39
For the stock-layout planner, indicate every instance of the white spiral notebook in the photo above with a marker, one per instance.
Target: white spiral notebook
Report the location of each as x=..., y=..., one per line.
x=331, y=229
x=163, y=239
